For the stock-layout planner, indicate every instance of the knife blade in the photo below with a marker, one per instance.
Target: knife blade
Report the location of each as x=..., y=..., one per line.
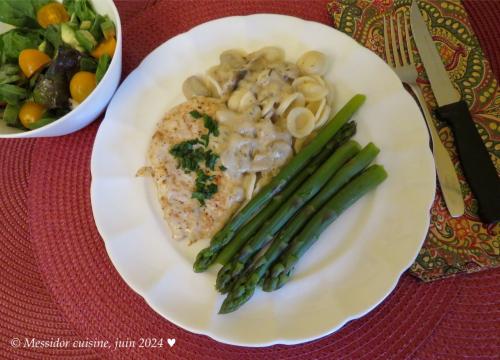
x=474, y=157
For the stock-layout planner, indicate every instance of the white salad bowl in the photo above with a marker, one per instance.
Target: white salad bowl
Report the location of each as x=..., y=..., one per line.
x=95, y=103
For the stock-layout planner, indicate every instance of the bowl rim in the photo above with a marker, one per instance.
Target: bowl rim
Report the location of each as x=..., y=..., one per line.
x=113, y=63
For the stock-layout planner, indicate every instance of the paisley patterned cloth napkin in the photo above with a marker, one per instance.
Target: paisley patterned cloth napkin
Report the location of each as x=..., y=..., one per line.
x=453, y=245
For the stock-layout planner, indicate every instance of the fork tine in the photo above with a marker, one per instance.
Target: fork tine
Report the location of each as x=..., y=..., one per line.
x=400, y=38
x=397, y=59
x=388, y=57
x=408, y=39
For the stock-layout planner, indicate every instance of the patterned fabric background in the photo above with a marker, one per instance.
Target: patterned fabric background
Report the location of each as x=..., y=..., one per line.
x=453, y=245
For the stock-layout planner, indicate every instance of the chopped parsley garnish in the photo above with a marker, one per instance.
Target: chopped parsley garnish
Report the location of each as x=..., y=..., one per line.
x=204, y=189
x=222, y=168
x=194, y=155
x=205, y=138
x=188, y=154
x=202, y=178
x=211, y=125
x=210, y=159
x=208, y=121
x=195, y=114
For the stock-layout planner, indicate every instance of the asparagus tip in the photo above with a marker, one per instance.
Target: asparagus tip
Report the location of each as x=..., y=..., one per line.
x=237, y=297
x=203, y=260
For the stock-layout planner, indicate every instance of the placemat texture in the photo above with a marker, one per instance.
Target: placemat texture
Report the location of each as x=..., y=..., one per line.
x=483, y=16
x=57, y=281
x=453, y=245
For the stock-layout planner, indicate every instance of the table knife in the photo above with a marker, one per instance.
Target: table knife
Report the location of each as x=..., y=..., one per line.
x=474, y=157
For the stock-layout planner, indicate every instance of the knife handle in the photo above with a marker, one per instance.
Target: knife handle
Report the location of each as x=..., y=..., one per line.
x=476, y=162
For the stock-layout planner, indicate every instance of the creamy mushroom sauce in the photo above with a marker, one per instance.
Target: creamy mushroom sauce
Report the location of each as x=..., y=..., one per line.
x=273, y=107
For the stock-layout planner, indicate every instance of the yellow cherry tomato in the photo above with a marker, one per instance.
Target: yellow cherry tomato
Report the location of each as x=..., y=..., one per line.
x=105, y=47
x=52, y=13
x=81, y=85
x=30, y=60
x=30, y=112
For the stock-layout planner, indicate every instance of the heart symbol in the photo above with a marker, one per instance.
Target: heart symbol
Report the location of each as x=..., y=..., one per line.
x=171, y=342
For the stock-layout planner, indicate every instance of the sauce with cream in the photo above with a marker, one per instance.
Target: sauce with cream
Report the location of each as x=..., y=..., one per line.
x=273, y=107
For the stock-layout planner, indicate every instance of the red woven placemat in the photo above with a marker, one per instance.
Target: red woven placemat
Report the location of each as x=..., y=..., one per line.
x=57, y=281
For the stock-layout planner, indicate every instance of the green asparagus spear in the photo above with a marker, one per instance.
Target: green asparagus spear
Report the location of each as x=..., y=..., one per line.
x=244, y=286
x=251, y=227
x=281, y=270
x=207, y=256
x=230, y=271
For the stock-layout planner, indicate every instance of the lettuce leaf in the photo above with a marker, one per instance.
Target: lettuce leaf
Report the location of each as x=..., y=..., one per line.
x=9, y=73
x=16, y=40
x=12, y=94
x=20, y=13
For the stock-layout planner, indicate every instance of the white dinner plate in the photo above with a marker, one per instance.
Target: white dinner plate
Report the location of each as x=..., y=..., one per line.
x=356, y=262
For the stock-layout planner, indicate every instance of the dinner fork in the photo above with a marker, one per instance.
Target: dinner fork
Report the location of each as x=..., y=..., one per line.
x=403, y=63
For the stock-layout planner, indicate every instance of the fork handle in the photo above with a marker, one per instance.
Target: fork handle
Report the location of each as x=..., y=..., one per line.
x=448, y=178
x=476, y=162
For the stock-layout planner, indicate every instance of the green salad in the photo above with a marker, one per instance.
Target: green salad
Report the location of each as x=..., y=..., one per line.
x=52, y=59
